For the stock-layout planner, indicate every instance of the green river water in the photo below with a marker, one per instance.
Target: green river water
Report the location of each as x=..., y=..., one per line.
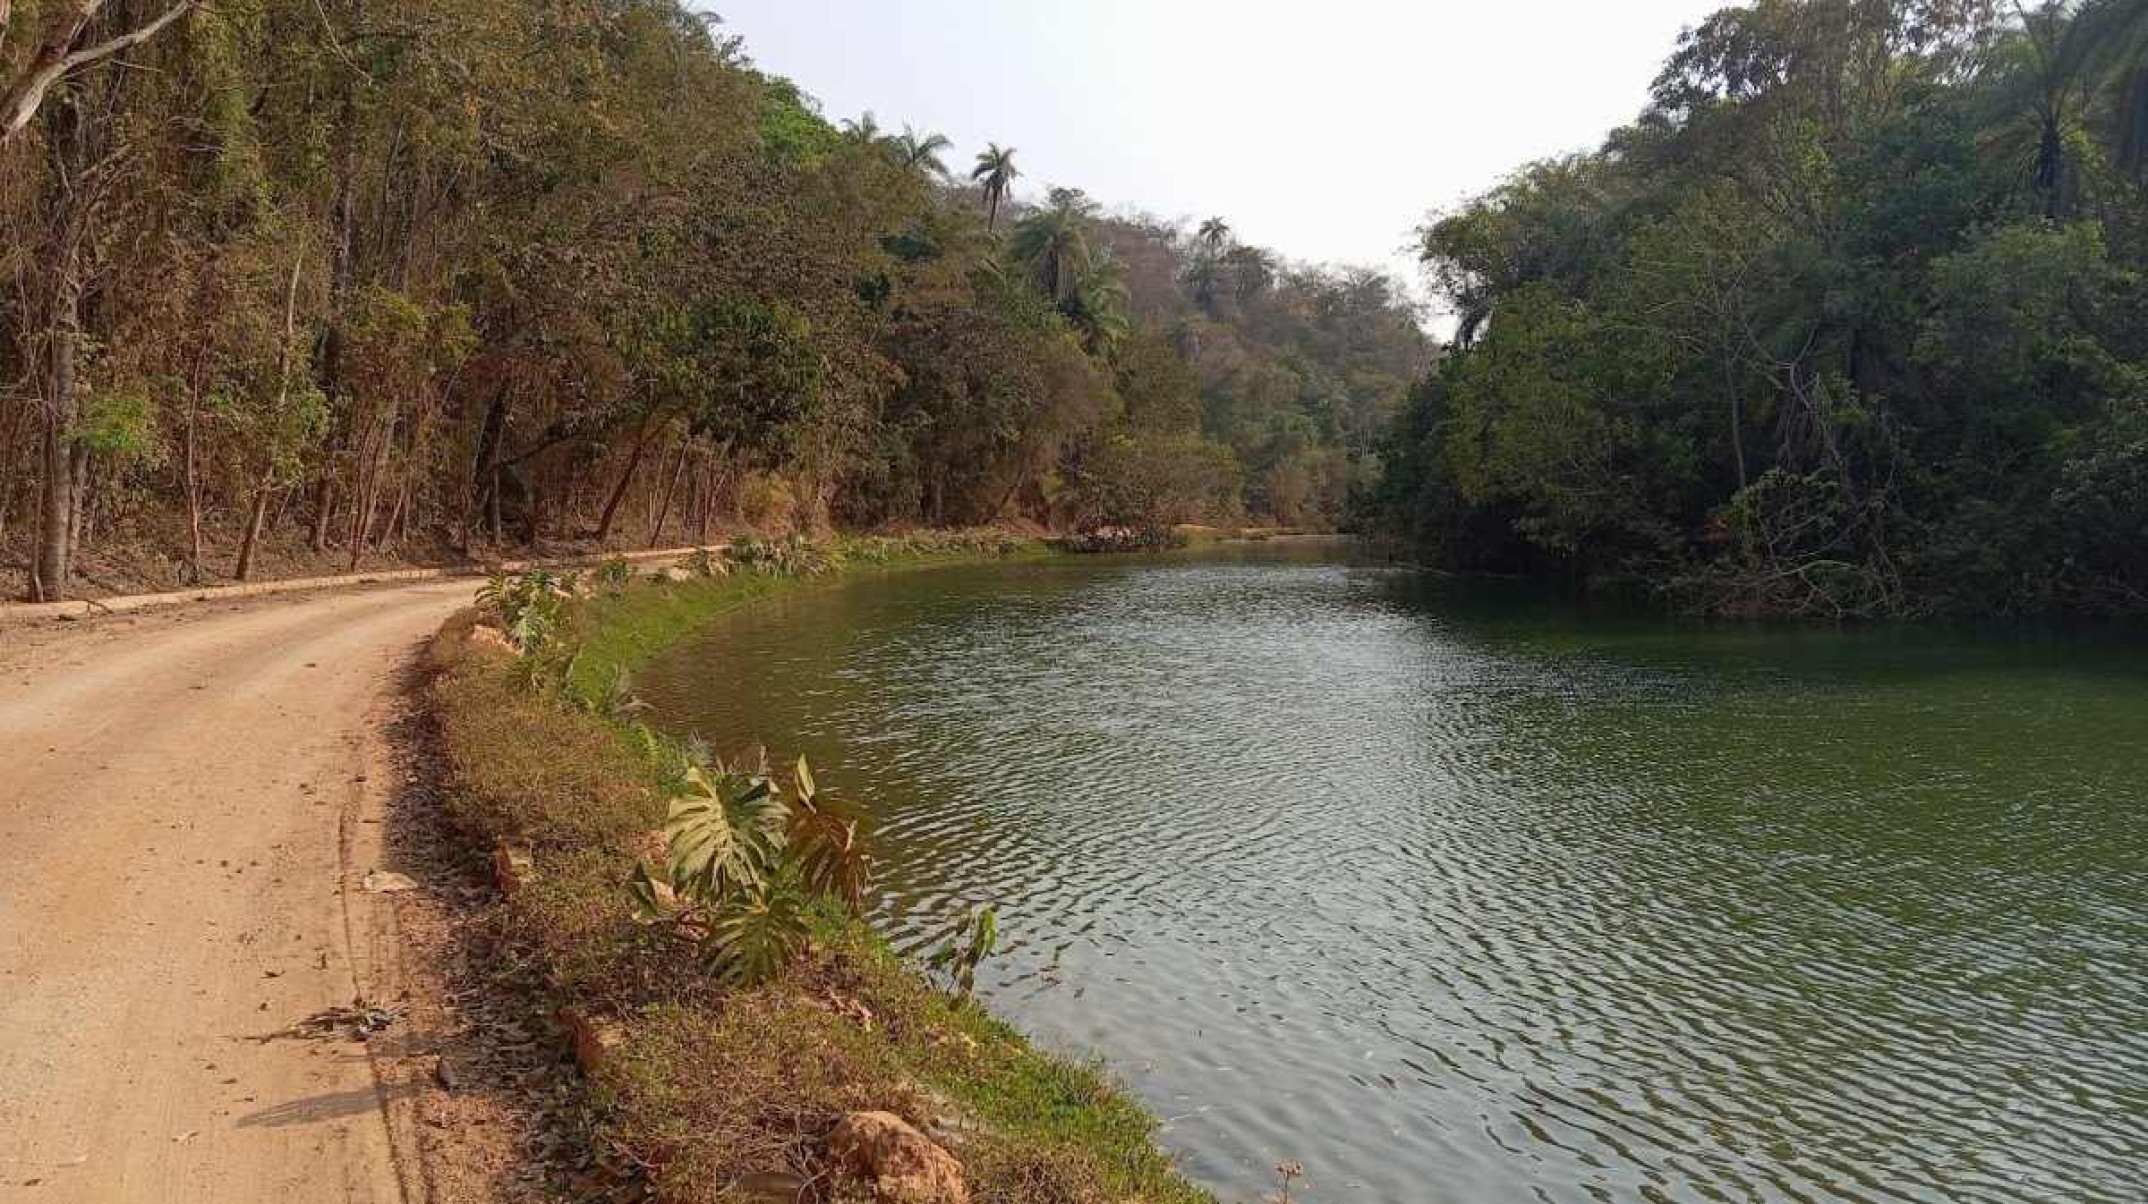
x=1454, y=894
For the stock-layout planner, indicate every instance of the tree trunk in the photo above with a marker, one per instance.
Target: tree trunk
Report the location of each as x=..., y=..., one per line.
x=193, y=486
x=1737, y=435
x=55, y=551
x=663, y=510
x=707, y=478
x=342, y=274
x=485, y=471
x=619, y=491
x=255, y=517
x=78, y=529
x=533, y=511
x=324, y=504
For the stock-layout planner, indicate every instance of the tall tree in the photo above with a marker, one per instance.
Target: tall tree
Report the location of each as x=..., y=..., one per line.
x=996, y=171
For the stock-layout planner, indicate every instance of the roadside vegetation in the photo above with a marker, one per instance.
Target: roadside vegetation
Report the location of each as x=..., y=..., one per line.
x=1849, y=322
x=697, y=926
x=300, y=285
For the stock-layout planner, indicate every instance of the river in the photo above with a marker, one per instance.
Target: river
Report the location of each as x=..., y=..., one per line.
x=1455, y=894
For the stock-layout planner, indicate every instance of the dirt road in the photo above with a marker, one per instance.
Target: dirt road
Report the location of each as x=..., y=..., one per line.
x=189, y=808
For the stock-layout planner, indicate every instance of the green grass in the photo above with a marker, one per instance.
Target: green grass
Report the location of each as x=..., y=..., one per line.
x=711, y=1091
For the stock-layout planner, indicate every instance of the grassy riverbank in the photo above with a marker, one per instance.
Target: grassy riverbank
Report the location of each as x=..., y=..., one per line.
x=715, y=1093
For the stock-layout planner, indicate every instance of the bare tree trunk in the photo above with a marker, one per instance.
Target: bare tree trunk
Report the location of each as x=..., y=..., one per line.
x=663, y=510
x=55, y=559
x=78, y=530
x=193, y=486
x=255, y=517
x=533, y=513
x=390, y=539
x=619, y=491
x=324, y=504
x=1737, y=420
x=257, y=514
x=707, y=503
x=484, y=473
x=365, y=500
x=342, y=274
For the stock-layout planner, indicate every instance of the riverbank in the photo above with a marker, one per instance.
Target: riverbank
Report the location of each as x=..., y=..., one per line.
x=700, y=1090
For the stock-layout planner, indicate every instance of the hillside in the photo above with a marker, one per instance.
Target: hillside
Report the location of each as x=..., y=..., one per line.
x=385, y=279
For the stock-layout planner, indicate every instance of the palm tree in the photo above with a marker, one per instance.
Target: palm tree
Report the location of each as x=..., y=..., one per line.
x=996, y=171
x=1054, y=243
x=1215, y=235
x=1204, y=276
x=1252, y=271
x=921, y=152
x=2067, y=56
x=2118, y=32
x=865, y=131
x=1098, y=303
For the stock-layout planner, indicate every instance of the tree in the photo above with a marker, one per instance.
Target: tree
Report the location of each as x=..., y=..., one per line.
x=2055, y=65
x=1053, y=243
x=67, y=47
x=921, y=152
x=996, y=171
x=1846, y=323
x=1215, y=236
x=342, y=276
x=864, y=130
x=1097, y=303
x=1252, y=271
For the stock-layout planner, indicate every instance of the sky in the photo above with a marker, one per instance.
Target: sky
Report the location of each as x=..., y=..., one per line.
x=1326, y=130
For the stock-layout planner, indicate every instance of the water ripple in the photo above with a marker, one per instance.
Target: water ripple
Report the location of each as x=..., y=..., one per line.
x=1457, y=898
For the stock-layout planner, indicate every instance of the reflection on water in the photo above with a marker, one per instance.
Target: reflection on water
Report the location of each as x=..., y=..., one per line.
x=1456, y=897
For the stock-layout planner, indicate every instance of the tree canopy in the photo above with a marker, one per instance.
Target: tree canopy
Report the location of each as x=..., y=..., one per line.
x=354, y=278
x=1846, y=322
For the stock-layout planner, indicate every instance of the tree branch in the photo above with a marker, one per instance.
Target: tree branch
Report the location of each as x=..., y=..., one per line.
x=21, y=99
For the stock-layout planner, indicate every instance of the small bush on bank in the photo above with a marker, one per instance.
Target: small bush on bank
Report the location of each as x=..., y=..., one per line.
x=1123, y=539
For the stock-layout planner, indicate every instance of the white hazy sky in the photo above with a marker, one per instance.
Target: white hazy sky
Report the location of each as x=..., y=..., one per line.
x=1326, y=130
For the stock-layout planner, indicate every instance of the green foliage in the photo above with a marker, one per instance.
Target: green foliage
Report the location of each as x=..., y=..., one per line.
x=823, y=840
x=959, y=958
x=795, y=556
x=493, y=271
x=704, y=563
x=615, y=574
x=743, y=864
x=1127, y=479
x=120, y=424
x=791, y=129
x=531, y=607
x=1844, y=325
x=618, y=703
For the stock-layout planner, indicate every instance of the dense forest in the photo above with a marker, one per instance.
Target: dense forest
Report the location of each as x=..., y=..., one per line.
x=1850, y=321
x=344, y=280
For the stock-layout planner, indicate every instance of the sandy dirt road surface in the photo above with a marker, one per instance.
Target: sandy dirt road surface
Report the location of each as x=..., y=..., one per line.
x=190, y=803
